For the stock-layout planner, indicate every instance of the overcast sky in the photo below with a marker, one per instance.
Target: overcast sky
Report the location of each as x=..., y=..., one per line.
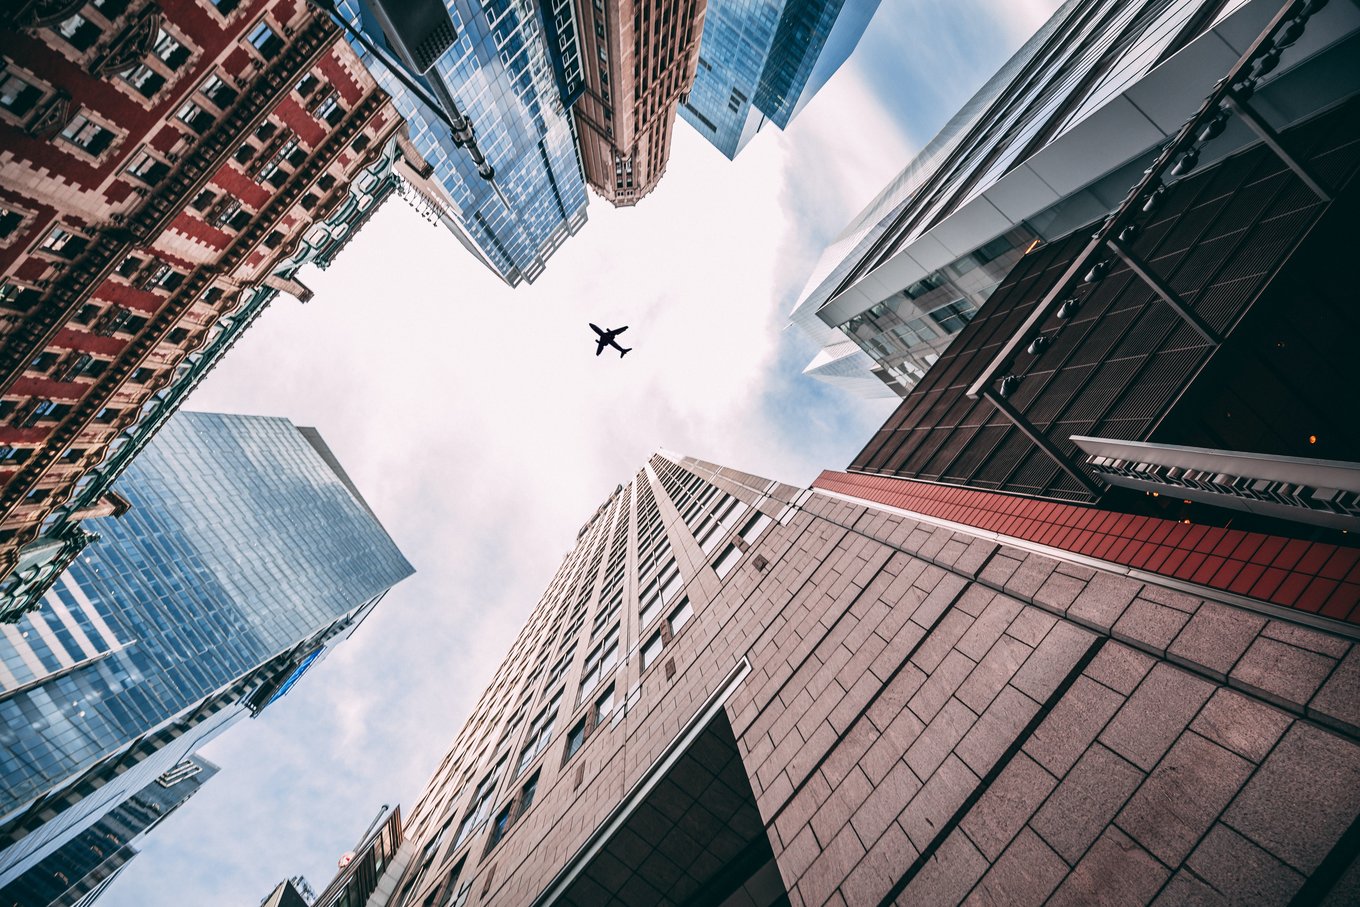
x=482, y=429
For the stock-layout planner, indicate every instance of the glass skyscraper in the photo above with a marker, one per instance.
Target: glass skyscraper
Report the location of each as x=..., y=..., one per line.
x=499, y=73
x=763, y=60
x=245, y=554
x=1052, y=142
x=79, y=871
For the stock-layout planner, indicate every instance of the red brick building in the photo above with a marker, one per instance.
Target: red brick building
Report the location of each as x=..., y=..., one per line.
x=638, y=57
x=156, y=161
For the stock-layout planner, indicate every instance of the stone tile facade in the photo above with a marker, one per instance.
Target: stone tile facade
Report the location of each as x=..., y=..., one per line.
x=931, y=716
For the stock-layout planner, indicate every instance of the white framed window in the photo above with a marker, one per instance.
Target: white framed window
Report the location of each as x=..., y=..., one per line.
x=88, y=135
x=728, y=560
x=651, y=650
x=680, y=616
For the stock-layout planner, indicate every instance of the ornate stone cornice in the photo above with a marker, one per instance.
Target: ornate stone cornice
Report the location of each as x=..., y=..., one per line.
x=130, y=47
x=51, y=116
x=39, y=13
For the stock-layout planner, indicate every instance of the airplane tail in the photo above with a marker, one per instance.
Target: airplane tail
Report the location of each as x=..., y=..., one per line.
x=623, y=353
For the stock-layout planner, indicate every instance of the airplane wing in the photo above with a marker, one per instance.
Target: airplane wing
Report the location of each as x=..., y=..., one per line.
x=599, y=346
x=618, y=331
x=596, y=329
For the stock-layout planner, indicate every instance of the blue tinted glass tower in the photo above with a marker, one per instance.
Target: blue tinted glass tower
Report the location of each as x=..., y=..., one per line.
x=501, y=77
x=246, y=554
x=762, y=60
x=79, y=871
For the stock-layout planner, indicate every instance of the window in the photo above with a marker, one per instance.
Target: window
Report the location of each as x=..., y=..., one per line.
x=44, y=360
x=954, y=315
x=727, y=561
x=651, y=605
x=480, y=808
x=755, y=526
x=9, y=222
x=604, y=705
x=111, y=9
x=170, y=51
x=307, y=84
x=17, y=95
x=427, y=856
x=148, y=169
x=263, y=39
x=923, y=286
x=329, y=110
x=540, y=732
x=560, y=666
x=651, y=650
x=499, y=826
x=144, y=79
x=87, y=135
x=78, y=32
x=228, y=210
x=195, y=117
x=62, y=242
x=526, y=795
x=680, y=616
x=16, y=297
x=204, y=200
x=226, y=7
x=218, y=92
x=575, y=738
x=600, y=662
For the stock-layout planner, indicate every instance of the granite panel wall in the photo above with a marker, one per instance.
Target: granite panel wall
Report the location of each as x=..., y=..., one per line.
x=931, y=716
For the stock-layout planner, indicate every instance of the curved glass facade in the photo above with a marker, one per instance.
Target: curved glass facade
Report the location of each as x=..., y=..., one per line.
x=499, y=73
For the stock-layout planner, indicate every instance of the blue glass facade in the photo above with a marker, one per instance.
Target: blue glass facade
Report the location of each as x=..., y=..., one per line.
x=500, y=74
x=93, y=857
x=243, y=540
x=763, y=60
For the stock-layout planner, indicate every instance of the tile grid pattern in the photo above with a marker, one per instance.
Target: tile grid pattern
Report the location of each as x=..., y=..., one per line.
x=1189, y=771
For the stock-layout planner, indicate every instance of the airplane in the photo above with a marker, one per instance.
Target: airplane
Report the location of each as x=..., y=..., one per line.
x=606, y=338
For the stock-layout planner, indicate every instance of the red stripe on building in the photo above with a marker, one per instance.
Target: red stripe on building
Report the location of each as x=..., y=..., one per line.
x=88, y=343
x=142, y=301
x=46, y=387
x=1310, y=576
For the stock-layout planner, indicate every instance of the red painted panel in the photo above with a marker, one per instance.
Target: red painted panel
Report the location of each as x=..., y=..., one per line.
x=29, y=386
x=88, y=343
x=1289, y=572
x=129, y=297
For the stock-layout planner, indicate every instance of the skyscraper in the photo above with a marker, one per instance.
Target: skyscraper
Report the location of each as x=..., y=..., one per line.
x=1047, y=148
x=245, y=555
x=642, y=65
x=762, y=60
x=842, y=695
x=499, y=74
x=79, y=871
x=166, y=174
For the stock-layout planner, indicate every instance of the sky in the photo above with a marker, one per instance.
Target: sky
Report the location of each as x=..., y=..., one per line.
x=483, y=431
